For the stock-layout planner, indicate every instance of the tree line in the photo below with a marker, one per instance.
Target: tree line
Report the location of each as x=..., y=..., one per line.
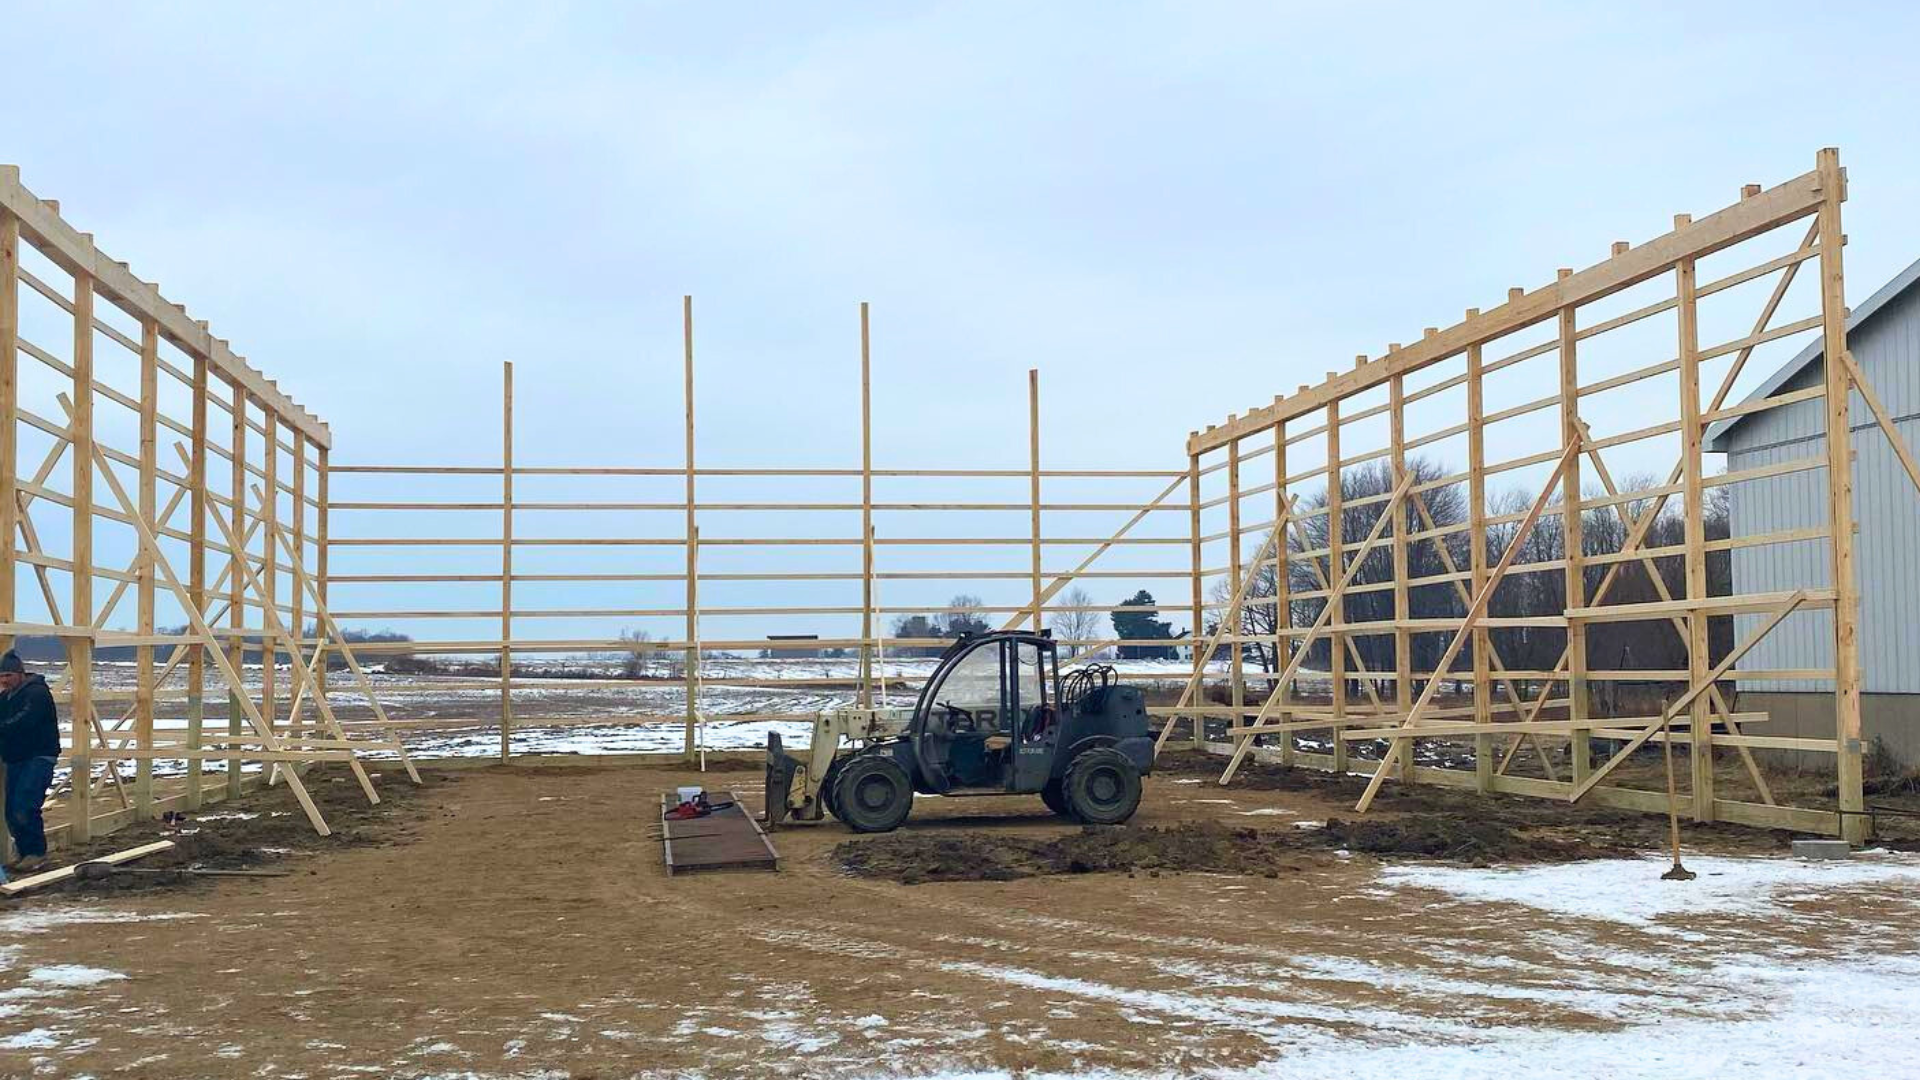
x=1610, y=645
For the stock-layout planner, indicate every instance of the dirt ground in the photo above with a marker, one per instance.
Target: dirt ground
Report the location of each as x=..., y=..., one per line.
x=518, y=922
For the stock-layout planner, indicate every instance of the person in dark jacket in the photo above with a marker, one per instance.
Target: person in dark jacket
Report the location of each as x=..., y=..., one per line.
x=30, y=745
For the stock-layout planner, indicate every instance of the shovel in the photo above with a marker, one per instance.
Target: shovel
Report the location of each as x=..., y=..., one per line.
x=95, y=871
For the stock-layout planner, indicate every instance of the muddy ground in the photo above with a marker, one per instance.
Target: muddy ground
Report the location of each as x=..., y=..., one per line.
x=498, y=922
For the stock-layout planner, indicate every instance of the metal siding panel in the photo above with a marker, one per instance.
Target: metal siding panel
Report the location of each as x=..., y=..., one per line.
x=1886, y=507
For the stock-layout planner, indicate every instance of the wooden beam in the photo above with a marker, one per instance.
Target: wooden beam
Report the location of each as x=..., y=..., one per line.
x=1474, y=614
x=1694, y=691
x=1846, y=585
x=230, y=672
x=80, y=650
x=143, y=655
x=866, y=508
x=693, y=530
x=506, y=562
x=1033, y=490
x=1320, y=623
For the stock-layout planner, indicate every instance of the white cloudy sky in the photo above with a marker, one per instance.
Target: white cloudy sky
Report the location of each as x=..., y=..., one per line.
x=1174, y=210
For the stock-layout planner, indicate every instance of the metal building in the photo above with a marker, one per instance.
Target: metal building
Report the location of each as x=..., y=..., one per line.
x=1884, y=335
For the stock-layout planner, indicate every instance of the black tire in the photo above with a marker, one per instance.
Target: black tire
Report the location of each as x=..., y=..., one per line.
x=1102, y=786
x=1056, y=799
x=830, y=789
x=872, y=795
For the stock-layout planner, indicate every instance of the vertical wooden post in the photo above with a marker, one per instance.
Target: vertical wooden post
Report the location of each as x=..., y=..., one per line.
x=1700, y=747
x=80, y=649
x=297, y=558
x=1336, y=569
x=319, y=575
x=197, y=579
x=1282, y=589
x=269, y=580
x=236, y=588
x=1572, y=538
x=144, y=575
x=866, y=511
x=1193, y=506
x=506, y=562
x=1483, y=751
x=1236, y=656
x=9, y=434
x=693, y=566
x=1033, y=483
x=9, y=411
x=1846, y=606
x=1402, y=602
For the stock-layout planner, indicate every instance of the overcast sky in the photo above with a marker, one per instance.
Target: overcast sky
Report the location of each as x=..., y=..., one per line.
x=1174, y=211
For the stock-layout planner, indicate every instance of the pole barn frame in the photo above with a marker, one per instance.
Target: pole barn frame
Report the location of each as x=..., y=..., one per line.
x=1475, y=721
x=1353, y=572
x=65, y=305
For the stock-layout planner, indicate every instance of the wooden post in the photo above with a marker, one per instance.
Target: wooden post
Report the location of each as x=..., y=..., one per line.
x=143, y=653
x=297, y=561
x=1282, y=590
x=1336, y=567
x=1573, y=540
x=1700, y=733
x=1198, y=722
x=1846, y=607
x=1477, y=566
x=270, y=558
x=9, y=412
x=197, y=580
x=506, y=562
x=1402, y=602
x=319, y=575
x=693, y=566
x=9, y=436
x=1237, y=688
x=80, y=649
x=866, y=512
x=236, y=594
x=1033, y=485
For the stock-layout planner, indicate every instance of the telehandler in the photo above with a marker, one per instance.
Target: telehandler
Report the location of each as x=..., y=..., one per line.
x=994, y=718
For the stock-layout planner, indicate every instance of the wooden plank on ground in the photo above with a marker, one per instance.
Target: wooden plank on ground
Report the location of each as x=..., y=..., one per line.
x=54, y=877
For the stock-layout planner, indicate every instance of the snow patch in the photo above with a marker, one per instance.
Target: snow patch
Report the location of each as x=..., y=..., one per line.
x=37, y=1039
x=1631, y=891
x=72, y=975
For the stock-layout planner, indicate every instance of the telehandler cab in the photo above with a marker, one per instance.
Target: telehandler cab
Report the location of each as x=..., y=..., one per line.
x=994, y=718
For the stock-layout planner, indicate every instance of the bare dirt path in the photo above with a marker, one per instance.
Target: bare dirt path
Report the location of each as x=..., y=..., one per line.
x=517, y=922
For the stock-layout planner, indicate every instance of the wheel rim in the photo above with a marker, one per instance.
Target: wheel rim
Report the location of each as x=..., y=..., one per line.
x=1104, y=788
x=873, y=794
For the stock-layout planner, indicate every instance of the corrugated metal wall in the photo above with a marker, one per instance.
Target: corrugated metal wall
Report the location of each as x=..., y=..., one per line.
x=1887, y=549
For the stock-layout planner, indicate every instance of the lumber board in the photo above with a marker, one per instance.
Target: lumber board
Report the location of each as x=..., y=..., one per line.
x=54, y=877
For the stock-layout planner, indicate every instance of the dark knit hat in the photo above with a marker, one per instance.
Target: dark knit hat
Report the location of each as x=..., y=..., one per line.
x=11, y=663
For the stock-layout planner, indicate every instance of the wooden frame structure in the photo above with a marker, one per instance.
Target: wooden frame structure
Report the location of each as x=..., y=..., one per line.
x=109, y=358
x=1418, y=417
x=1756, y=249
x=621, y=546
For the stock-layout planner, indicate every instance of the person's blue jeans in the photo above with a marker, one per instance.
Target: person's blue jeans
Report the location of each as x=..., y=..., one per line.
x=27, y=783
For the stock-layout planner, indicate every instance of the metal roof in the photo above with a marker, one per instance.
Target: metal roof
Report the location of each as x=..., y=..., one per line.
x=1717, y=435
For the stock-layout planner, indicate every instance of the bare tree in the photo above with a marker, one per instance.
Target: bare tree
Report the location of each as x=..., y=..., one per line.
x=1077, y=625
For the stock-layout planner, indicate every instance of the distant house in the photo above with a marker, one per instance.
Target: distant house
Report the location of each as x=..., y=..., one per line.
x=1884, y=336
x=782, y=650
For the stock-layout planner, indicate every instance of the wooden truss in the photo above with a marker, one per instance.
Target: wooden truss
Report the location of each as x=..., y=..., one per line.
x=175, y=354
x=1702, y=713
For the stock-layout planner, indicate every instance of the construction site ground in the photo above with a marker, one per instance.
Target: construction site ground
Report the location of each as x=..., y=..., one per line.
x=517, y=922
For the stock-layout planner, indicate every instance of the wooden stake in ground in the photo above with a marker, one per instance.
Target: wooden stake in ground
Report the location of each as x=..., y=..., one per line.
x=1676, y=872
